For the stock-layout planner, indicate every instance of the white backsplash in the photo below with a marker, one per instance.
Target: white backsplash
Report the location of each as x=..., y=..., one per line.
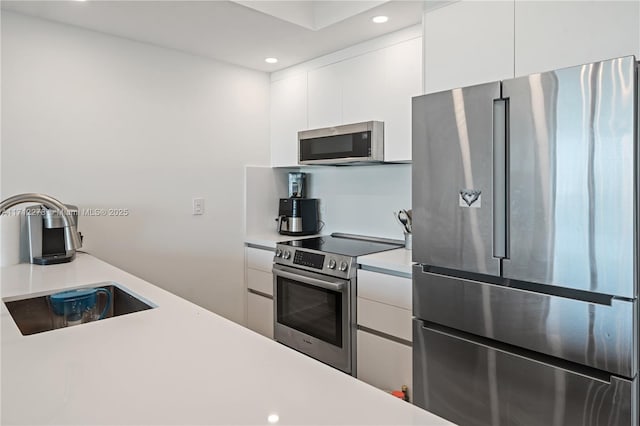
x=361, y=199
x=353, y=199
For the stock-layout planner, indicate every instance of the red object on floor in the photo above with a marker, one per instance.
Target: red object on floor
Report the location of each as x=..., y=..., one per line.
x=398, y=394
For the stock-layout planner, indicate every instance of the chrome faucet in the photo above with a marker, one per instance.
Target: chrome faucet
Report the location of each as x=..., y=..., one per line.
x=71, y=237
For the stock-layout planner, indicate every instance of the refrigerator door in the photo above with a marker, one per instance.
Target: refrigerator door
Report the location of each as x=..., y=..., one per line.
x=599, y=333
x=474, y=383
x=453, y=178
x=572, y=178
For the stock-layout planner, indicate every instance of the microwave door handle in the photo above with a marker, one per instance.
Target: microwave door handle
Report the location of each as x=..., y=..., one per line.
x=329, y=285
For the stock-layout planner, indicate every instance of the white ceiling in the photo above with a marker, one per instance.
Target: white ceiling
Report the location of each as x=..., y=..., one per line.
x=241, y=32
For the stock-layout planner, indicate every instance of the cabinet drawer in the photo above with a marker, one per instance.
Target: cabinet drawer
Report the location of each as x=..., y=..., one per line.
x=261, y=260
x=260, y=281
x=385, y=288
x=383, y=363
x=385, y=318
x=260, y=314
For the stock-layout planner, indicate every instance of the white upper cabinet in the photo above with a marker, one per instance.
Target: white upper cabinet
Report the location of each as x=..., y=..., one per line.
x=402, y=81
x=363, y=88
x=467, y=43
x=288, y=116
x=325, y=96
x=552, y=35
x=379, y=86
x=376, y=85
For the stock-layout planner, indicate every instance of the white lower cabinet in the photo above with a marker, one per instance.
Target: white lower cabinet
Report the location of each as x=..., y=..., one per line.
x=260, y=314
x=384, y=351
x=259, y=282
x=384, y=363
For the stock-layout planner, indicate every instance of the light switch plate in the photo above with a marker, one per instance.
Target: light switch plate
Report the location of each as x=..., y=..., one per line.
x=198, y=206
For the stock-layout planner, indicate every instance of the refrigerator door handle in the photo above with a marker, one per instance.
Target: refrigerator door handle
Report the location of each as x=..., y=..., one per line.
x=500, y=178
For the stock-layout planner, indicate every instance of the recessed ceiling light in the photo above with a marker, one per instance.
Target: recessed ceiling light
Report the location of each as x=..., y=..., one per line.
x=380, y=19
x=273, y=418
x=271, y=60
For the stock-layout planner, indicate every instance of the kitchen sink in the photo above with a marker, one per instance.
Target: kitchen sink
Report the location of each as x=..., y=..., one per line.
x=34, y=315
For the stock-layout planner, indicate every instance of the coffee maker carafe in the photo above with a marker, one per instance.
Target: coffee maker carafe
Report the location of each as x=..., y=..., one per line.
x=298, y=216
x=45, y=235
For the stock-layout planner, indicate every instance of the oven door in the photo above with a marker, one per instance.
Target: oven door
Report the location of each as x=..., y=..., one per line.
x=312, y=314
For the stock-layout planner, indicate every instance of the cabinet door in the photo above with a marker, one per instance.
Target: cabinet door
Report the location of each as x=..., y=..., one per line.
x=384, y=303
x=384, y=363
x=379, y=86
x=552, y=35
x=325, y=96
x=259, y=259
x=259, y=281
x=467, y=43
x=288, y=116
x=383, y=288
x=402, y=64
x=363, y=88
x=260, y=314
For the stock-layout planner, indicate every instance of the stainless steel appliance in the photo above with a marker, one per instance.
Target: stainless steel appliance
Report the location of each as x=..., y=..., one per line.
x=351, y=143
x=46, y=235
x=525, y=223
x=314, y=287
x=298, y=216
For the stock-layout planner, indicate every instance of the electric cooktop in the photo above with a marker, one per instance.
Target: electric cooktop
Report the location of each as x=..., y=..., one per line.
x=344, y=244
x=333, y=255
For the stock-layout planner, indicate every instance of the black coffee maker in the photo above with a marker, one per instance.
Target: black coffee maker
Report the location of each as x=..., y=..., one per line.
x=298, y=216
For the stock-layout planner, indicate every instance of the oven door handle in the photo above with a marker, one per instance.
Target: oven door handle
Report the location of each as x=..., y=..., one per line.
x=329, y=285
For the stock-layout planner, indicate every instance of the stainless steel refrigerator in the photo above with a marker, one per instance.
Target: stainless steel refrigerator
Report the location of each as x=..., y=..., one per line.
x=525, y=221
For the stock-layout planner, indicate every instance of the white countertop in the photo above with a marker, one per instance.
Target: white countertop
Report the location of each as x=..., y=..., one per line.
x=175, y=364
x=398, y=260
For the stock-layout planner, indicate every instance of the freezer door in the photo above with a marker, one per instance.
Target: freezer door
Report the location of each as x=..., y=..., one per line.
x=572, y=179
x=453, y=177
x=476, y=384
x=600, y=333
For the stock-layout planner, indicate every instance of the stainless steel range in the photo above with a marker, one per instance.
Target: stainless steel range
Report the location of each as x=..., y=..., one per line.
x=314, y=287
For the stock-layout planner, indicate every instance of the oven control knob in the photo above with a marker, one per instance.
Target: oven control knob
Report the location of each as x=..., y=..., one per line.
x=343, y=266
x=278, y=253
x=332, y=264
x=287, y=254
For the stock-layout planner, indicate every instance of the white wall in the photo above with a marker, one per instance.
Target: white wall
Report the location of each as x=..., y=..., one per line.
x=100, y=121
x=264, y=186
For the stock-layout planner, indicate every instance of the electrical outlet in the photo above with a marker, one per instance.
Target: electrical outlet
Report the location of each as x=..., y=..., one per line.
x=198, y=206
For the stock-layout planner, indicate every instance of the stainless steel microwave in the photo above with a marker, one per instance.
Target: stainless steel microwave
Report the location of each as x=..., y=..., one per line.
x=351, y=143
